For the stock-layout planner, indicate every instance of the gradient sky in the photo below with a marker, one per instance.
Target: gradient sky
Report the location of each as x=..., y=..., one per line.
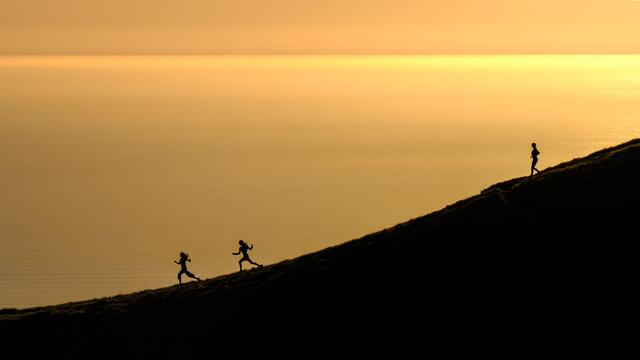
x=319, y=27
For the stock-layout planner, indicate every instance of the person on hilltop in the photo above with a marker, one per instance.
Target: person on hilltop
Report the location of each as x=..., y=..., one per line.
x=534, y=158
x=183, y=268
x=244, y=248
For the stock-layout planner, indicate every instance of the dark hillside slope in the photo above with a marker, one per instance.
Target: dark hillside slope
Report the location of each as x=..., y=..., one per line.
x=527, y=265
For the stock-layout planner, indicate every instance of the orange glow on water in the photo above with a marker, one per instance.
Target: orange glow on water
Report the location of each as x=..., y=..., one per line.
x=112, y=165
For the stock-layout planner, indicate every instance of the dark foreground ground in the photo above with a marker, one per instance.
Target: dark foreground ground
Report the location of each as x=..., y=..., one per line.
x=544, y=266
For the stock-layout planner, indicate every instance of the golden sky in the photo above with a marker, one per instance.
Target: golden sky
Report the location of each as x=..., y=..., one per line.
x=319, y=26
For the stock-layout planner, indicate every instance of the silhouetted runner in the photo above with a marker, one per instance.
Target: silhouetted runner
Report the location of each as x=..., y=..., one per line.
x=534, y=157
x=244, y=248
x=183, y=267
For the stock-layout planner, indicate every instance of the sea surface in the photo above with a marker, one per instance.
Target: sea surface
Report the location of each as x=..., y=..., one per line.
x=112, y=165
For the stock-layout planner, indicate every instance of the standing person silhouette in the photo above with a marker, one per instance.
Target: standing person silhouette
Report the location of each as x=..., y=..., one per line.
x=534, y=157
x=244, y=248
x=183, y=267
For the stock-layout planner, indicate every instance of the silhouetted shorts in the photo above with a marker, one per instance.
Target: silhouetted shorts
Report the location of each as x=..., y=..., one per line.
x=186, y=273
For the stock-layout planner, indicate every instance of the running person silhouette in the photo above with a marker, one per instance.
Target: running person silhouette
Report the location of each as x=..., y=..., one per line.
x=244, y=248
x=183, y=267
x=534, y=157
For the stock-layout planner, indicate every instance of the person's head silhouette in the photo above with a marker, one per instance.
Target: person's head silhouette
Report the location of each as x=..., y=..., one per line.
x=242, y=243
x=533, y=145
x=183, y=255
